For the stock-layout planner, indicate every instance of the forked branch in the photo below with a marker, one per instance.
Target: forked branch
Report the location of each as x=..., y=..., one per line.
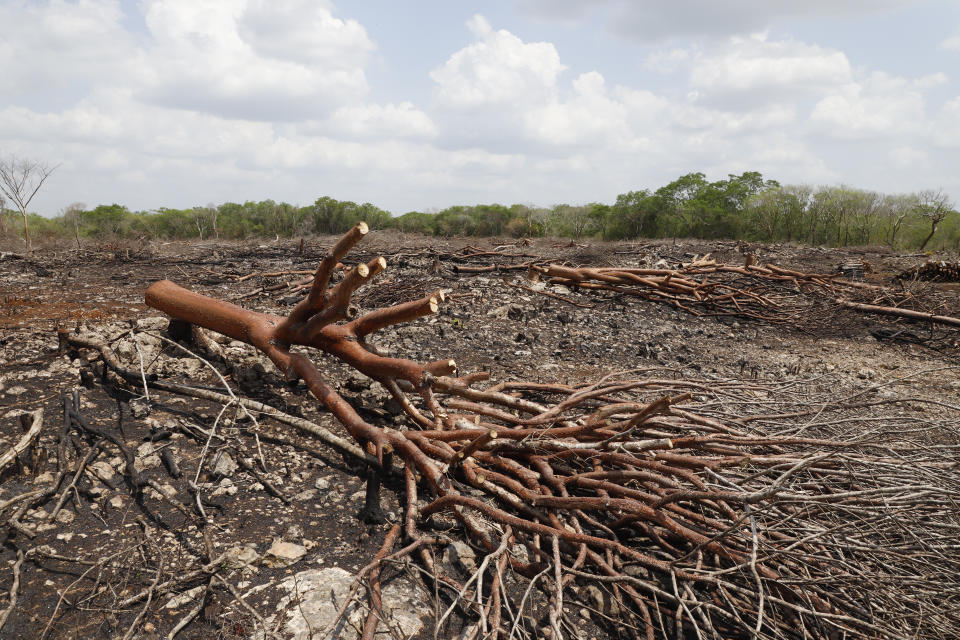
x=617, y=476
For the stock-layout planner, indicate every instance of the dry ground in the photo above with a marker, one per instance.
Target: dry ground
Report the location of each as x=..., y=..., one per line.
x=105, y=543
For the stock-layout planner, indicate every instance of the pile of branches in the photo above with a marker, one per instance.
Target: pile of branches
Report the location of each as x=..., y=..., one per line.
x=467, y=260
x=471, y=259
x=933, y=271
x=694, y=517
x=702, y=288
x=764, y=293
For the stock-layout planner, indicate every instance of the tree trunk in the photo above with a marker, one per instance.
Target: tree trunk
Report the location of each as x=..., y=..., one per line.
x=933, y=230
x=26, y=232
x=901, y=313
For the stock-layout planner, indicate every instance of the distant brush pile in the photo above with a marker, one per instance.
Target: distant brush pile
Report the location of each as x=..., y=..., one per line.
x=933, y=271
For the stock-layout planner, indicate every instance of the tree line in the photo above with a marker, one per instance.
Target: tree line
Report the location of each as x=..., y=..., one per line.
x=746, y=207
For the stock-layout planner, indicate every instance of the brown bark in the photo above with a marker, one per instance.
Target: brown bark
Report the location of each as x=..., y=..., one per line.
x=902, y=313
x=590, y=472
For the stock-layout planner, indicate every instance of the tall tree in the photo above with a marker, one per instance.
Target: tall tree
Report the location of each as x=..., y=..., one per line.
x=20, y=180
x=676, y=197
x=72, y=215
x=3, y=216
x=637, y=212
x=776, y=213
x=564, y=219
x=602, y=217
x=934, y=206
x=105, y=220
x=896, y=209
x=204, y=219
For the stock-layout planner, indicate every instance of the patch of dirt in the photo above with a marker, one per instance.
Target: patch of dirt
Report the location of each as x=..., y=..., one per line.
x=267, y=483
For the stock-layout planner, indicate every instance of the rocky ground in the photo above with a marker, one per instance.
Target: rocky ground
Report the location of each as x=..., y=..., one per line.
x=283, y=508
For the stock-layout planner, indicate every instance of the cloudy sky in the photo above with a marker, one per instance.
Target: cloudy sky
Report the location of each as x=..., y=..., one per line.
x=424, y=104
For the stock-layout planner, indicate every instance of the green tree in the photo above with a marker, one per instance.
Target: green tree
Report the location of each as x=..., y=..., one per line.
x=568, y=220
x=718, y=208
x=934, y=206
x=490, y=219
x=174, y=223
x=287, y=220
x=232, y=220
x=455, y=221
x=332, y=216
x=844, y=215
x=374, y=216
x=638, y=214
x=3, y=216
x=72, y=217
x=776, y=213
x=104, y=220
x=527, y=221
x=896, y=209
x=415, y=222
x=602, y=217
x=204, y=219
x=675, y=198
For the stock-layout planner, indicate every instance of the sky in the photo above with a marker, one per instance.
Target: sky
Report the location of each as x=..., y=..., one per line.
x=425, y=104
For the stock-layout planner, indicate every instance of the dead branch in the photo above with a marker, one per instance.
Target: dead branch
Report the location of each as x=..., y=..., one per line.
x=14, y=589
x=900, y=313
x=457, y=268
x=767, y=293
x=375, y=615
x=617, y=475
x=582, y=305
x=36, y=425
x=150, y=593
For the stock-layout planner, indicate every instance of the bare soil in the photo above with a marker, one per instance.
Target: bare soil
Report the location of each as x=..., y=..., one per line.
x=108, y=539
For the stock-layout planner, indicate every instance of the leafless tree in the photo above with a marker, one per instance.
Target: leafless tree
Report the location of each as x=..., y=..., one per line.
x=72, y=216
x=20, y=180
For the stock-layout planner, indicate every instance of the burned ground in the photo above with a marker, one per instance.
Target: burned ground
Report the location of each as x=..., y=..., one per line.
x=284, y=507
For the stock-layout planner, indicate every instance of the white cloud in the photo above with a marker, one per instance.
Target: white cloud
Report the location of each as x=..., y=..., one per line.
x=111, y=143
x=298, y=63
x=58, y=45
x=879, y=106
x=237, y=99
x=655, y=21
x=371, y=121
x=498, y=69
x=668, y=61
x=502, y=90
x=286, y=60
x=951, y=44
x=932, y=80
x=693, y=117
x=645, y=109
x=909, y=157
x=946, y=126
x=113, y=119
x=304, y=31
x=759, y=65
x=777, y=154
x=589, y=116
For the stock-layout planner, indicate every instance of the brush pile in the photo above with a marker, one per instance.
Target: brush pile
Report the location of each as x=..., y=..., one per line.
x=690, y=513
x=933, y=271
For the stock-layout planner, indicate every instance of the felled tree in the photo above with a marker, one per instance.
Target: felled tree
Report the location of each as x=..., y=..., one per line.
x=693, y=523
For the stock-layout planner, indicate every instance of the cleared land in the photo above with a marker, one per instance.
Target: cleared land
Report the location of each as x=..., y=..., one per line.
x=268, y=538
